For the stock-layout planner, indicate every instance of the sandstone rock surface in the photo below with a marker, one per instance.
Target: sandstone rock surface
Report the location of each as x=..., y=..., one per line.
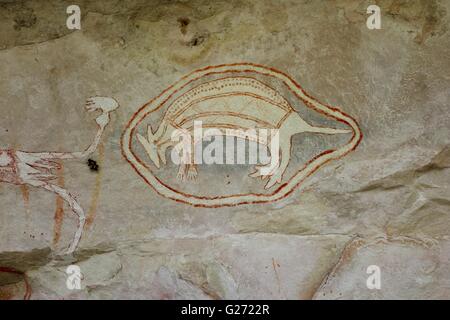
x=385, y=204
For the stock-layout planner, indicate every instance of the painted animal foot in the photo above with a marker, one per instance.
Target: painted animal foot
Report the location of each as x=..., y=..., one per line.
x=274, y=179
x=105, y=104
x=256, y=173
x=181, y=175
x=263, y=171
x=274, y=175
x=192, y=172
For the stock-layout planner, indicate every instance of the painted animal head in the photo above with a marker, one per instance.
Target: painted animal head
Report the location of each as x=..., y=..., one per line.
x=150, y=146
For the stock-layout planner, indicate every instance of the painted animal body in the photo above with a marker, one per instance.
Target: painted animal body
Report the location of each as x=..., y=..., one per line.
x=239, y=103
x=37, y=169
x=154, y=142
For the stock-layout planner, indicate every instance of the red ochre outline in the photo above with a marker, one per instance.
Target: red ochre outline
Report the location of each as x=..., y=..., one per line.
x=187, y=196
x=28, y=290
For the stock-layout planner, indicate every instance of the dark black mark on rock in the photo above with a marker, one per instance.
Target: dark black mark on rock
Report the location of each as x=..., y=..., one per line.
x=25, y=19
x=197, y=40
x=184, y=22
x=92, y=164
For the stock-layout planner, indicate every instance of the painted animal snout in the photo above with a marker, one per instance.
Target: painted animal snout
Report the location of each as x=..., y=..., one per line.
x=150, y=146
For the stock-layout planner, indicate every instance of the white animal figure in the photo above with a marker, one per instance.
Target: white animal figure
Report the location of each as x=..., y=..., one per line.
x=234, y=102
x=36, y=169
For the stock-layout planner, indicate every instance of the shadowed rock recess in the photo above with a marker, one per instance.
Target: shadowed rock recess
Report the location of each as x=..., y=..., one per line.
x=385, y=204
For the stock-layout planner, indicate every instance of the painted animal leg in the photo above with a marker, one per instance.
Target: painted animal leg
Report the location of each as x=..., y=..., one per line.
x=74, y=206
x=263, y=170
x=187, y=169
x=276, y=176
x=192, y=167
x=182, y=168
x=76, y=209
x=275, y=171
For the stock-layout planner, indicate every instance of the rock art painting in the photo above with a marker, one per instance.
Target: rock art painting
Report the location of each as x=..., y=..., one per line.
x=232, y=96
x=38, y=169
x=28, y=290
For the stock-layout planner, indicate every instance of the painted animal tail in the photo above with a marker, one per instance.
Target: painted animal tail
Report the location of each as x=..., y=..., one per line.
x=326, y=130
x=151, y=147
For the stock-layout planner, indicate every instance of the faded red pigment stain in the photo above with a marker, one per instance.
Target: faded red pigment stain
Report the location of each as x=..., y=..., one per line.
x=26, y=198
x=59, y=211
x=96, y=193
x=276, y=265
x=28, y=291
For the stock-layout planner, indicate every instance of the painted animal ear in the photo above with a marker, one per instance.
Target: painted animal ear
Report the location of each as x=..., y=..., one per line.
x=150, y=148
x=150, y=134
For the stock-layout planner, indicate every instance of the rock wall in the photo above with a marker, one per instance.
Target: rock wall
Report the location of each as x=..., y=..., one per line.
x=385, y=204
